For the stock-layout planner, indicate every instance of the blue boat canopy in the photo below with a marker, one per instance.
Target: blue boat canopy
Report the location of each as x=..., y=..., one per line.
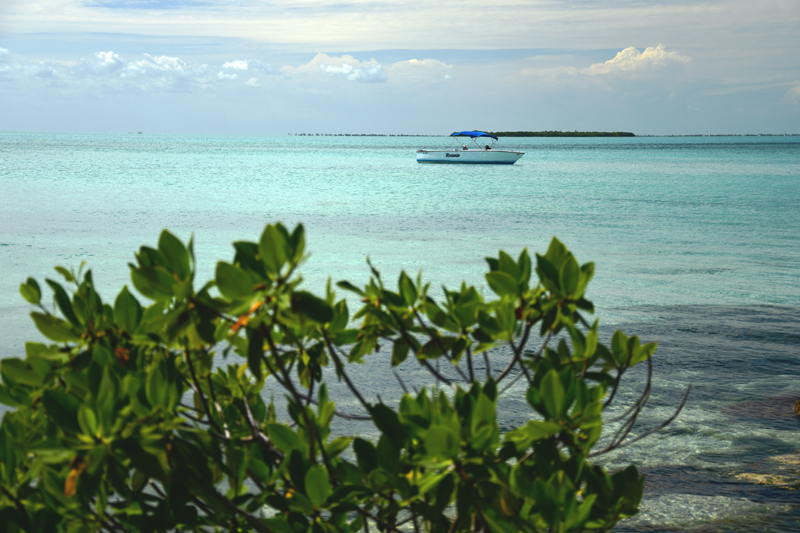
x=472, y=134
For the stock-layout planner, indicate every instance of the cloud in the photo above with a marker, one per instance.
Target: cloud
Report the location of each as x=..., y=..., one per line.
x=628, y=64
x=793, y=95
x=365, y=74
x=253, y=82
x=237, y=65
x=420, y=70
x=109, y=71
x=248, y=64
x=632, y=60
x=346, y=67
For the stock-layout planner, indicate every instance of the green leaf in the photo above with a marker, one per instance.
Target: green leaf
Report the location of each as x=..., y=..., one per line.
x=30, y=291
x=68, y=277
x=548, y=274
x=407, y=289
x=127, y=311
x=233, y=282
x=62, y=299
x=284, y=438
x=569, y=275
x=312, y=307
x=54, y=328
x=154, y=283
x=175, y=254
x=272, y=248
x=318, y=485
x=37, y=350
x=533, y=431
x=387, y=421
x=502, y=283
x=18, y=372
x=62, y=409
x=552, y=394
x=337, y=446
x=400, y=351
x=346, y=285
x=482, y=423
x=297, y=244
x=87, y=420
x=255, y=349
x=440, y=442
x=509, y=266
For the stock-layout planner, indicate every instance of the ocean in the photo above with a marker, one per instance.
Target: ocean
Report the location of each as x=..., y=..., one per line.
x=696, y=242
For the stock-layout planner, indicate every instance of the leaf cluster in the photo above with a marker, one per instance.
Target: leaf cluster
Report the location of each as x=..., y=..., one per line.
x=154, y=417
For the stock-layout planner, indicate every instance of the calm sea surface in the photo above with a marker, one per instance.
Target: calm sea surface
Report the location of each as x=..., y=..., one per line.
x=696, y=243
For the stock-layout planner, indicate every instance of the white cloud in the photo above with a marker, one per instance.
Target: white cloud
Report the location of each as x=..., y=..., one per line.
x=632, y=60
x=366, y=74
x=239, y=64
x=793, y=94
x=628, y=63
x=346, y=67
x=109, y=71
x=418, y=70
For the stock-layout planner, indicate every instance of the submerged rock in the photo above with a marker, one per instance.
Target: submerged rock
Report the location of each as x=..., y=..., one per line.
x=688, y=511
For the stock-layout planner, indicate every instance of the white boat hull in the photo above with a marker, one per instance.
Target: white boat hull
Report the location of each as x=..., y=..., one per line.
x=479, y=157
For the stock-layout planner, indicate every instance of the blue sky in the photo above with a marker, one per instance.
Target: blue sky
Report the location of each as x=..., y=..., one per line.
x=297, y=66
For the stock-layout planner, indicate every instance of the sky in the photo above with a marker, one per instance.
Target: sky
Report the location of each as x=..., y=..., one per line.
x=274, y=67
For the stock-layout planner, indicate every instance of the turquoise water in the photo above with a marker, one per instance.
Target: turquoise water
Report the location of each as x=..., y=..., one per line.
x=696, y=243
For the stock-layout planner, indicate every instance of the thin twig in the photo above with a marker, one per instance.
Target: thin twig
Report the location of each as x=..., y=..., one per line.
x=438, y=342
x=199, y=392
x=341, y=372
x=651, y=431
x=620, y=371
x=400, y=381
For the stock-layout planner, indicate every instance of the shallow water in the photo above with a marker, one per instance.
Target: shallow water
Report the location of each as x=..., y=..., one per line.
x=695, y=240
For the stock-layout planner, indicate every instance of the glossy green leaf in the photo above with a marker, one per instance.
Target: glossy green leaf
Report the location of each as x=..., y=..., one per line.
x=272, y=248
x=312, y=307
x=87, y=420
x=153, y=283
x=407, y=289
x=54, y=328
x=175, y=254
x=62, y=409
x=255, y=351
x=400, y=350
x=502, y=283
x=569, y=275
x=19, y=372
x=30, y=291
x=346, y=285
x=127, y=311
x=284, y=438
x=233, y=282
x=297, y=244
x=63, y=302
x=318, y=486
x=552, y=393
x=337, y=446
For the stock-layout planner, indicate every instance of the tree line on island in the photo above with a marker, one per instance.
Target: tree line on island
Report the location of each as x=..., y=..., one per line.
x=563, y=134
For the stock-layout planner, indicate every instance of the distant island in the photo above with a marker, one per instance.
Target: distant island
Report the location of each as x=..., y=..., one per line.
x=563, y=134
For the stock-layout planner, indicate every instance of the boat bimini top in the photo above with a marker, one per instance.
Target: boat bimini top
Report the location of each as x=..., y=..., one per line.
x=474, y=135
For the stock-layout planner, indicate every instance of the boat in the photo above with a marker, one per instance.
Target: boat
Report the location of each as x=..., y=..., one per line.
x=478, y=155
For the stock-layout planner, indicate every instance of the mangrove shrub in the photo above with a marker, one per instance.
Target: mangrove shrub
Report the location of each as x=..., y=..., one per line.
x=158, y=412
